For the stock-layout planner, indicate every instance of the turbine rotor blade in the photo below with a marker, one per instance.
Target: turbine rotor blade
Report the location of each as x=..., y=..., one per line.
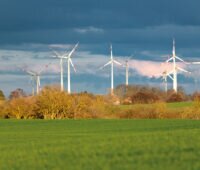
x=30, y=72
x=56, y=53
x=169, y=59
x=171, y=72
x=116, y=62
x=105, y=65
x=72, y=51
x=72, y=64
x=46, y=66
x=181, y=69
x=170, y=77
x=195, y=63
x=181, y=59
x=166, y=74
x=57, y=57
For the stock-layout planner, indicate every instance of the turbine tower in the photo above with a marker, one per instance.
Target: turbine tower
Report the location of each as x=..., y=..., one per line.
x=111, y=62
x=68, y=57
x=175, y=67
x=127, y=71
x=32, y=85
x=164, y=77
x=61, y=57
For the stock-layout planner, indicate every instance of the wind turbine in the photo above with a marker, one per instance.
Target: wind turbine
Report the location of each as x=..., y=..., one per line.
x=61, y=57
x=35, y=76
x=111, y=62
x=68, y=57
x=126, y=65
x=70, y=63
x=32, y=85
x=164, y=77
x=175, y=67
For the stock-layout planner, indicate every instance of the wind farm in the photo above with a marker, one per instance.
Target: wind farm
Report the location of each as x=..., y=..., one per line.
x=100, y=85
x=169, y=75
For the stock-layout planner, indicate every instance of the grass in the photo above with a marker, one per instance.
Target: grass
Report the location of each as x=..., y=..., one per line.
x=100, y=144
x=179, y=104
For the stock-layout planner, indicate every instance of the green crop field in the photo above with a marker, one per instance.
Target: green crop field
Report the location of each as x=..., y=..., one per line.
x=100, y=144
x=179, y=104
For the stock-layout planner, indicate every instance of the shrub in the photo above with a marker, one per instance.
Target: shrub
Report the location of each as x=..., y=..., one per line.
x=144, y=97
x=3, y=112
x=140, y=111
x=192, y=112
x=52, y=104
x=89, y=106
x=176, y=97
x=196, y=96
x=2, y=96
x=18, y=93
x=22, y=108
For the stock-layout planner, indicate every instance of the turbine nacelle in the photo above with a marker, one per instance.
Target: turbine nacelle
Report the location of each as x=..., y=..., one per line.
x=166, y=74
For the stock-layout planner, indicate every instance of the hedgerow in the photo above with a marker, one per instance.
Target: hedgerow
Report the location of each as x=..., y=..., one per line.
x=53, y=104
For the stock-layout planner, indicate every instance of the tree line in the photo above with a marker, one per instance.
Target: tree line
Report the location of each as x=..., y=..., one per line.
x=51, y=103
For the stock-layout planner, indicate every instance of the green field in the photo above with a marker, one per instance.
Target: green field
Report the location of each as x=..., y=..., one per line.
x=100, y=144
x=179, y=104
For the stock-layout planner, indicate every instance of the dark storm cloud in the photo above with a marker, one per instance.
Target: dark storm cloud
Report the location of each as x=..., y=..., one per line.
x=144, y=28
x=141, y=23
x=53, y=14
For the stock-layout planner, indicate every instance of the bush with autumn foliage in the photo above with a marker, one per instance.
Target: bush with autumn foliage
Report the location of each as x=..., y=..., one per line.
x=144, y=103
x=53, y=104
x=135, y=94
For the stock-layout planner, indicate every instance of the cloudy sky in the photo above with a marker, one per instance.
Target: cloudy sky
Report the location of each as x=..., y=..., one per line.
x=30, y=29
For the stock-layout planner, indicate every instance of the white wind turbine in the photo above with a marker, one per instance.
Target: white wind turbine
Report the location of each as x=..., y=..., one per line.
x=68, y=57
x=111, y=62
x=126, y=65
x=164, y=77
x=175, y=67
x=61, y=57
x=35, y=76
x=70, y=63
x=32, y=85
